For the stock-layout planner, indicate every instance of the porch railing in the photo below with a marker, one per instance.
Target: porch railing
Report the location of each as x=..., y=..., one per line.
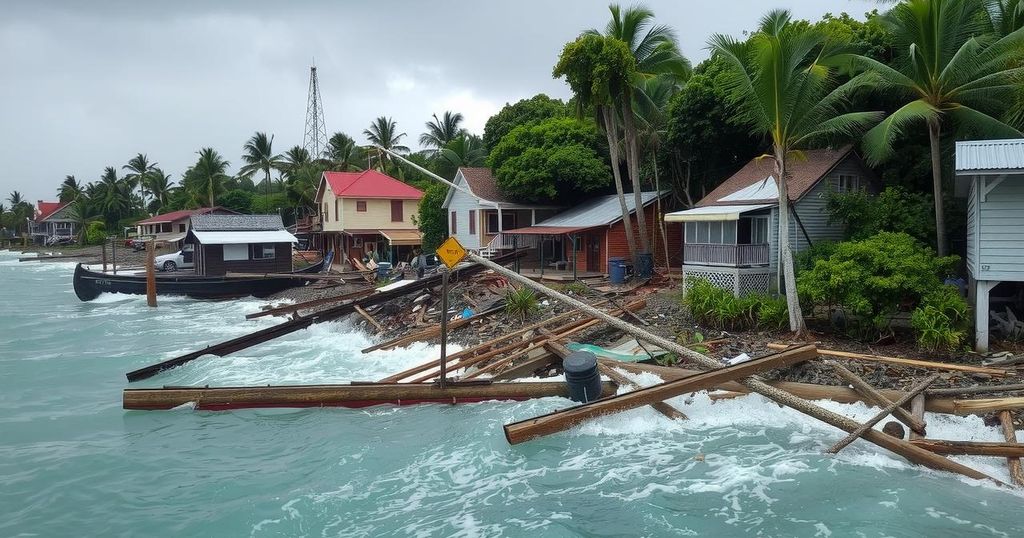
x=504, y=241
x=725, y=255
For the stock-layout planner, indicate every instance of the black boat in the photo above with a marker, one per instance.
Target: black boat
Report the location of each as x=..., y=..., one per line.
x=89, y=284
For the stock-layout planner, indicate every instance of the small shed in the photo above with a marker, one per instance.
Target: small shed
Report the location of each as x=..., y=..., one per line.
x=240, y=243
x=990, y=173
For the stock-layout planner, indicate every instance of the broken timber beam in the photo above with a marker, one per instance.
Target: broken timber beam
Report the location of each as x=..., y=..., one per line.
x=971, y=448
x=292, y=308
x=899, y=446
x=366, y=315
x=979, y=389
x=1012, y=463
x=855, y=434
x=526, y=430
x=304, y=276
x=353, y=396
x=910, y=362
x=875, y=397
x=917, y=406
x=432, y=332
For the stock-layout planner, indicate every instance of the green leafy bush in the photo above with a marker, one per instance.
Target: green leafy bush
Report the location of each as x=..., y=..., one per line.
x=871, y=279
x=713, y=306
x=95, y=233
x=892, y=210
x=521, y=302
x=941, y=321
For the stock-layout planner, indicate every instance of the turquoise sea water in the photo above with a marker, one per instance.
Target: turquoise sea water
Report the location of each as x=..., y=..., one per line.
x=73, y=463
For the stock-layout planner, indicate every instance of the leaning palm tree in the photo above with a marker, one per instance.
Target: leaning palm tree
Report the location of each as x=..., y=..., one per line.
x=779, y=83
x=160, y=187
x=656, y=54
x=342, y=154
x=383, y=133
x=258, y=154
x=209, y=173
x=950, y=71
x=441, y=131
x=70, y=189
x=139, y=169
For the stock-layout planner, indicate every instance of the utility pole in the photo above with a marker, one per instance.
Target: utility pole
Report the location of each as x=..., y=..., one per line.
x=315, y=138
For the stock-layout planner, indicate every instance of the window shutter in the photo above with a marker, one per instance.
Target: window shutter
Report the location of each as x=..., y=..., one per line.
x=455, y=223
x=472, y=222
x=396, y=211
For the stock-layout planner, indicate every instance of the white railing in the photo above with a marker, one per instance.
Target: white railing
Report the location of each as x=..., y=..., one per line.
x=725, y=255
x=504, y=241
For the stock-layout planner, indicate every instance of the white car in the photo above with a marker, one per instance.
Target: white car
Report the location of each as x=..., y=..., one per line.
x=183, y=259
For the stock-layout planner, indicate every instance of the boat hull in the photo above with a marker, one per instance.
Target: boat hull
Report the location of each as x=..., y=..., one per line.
x=89, y=285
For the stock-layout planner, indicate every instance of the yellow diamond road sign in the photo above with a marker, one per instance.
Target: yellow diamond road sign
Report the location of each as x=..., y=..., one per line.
x=451, y=252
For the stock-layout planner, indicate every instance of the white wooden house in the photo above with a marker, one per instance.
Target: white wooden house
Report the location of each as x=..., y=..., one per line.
x=478, y=212
x=731, y=237
x=991, y=174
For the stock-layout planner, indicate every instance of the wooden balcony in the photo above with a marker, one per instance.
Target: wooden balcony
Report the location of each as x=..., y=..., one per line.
x=725, y=255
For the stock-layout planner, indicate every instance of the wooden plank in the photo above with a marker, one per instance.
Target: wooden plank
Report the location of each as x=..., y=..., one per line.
x=1012, y=463
x=875, y=397
x=971, y=448
x=909, y=362
x=368, y=317
x=917, y=406
x=292, y=308
x=354, y=395
x=978, y=389
x=528, y=367
x=983, y=405
x=304, y=276
x=432, y=332
x=854, y=435
x=525, y=430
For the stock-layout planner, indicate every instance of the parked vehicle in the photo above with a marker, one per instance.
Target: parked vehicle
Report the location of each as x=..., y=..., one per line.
x=182, y=259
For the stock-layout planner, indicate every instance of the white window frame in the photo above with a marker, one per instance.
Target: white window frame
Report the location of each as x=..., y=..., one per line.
x=847, y=183
x=703, y=232
x=236, y=252
x=504, y=216
x=756, y=223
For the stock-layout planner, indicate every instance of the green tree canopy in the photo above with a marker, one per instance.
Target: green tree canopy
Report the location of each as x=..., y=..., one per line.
x=537, y=108
x=554, y=159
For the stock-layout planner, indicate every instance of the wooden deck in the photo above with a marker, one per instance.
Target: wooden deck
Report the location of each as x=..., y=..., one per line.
x=559, y=275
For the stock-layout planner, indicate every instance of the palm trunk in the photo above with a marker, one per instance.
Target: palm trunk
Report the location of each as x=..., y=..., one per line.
x=633, y=166
x=613, y=150
x=796, y=316
x=209, y=191
x=940, y=219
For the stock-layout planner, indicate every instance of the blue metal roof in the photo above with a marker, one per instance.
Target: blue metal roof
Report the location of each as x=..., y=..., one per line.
x=974, y=155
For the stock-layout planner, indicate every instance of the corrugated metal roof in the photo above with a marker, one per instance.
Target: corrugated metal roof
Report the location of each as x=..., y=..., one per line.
x=240, y=237
x=766, y=189
x=990, y=155
x=599, y=211
x=714, y=212
x=236, y=222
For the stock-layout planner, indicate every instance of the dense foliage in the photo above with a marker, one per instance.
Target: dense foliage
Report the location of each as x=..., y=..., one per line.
x=537, y=108
x=941, y=321
x=554, y=159
x=715, y=307
x=895, y=209
x=432, y=217
x=869, y=280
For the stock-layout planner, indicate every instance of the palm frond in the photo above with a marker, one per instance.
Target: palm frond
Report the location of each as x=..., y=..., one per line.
x=878, y=142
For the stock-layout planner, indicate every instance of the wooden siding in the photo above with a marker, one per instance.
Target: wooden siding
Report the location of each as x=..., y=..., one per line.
x=333, y=220
x=210, y=261
x=462, y=203
x=972, y=229
x=1000, y=245
x=377, y=215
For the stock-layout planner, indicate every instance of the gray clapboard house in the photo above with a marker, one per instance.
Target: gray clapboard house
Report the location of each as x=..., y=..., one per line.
x=731, y=237
x=991, y=174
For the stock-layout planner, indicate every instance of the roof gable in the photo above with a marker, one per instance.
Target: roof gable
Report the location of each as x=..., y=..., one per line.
x=369, y=184
x=750, y=181
x=483, y=184
x=979, y=155
x=45, y=209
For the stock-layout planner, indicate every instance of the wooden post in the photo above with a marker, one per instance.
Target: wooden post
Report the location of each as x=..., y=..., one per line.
x=442, y=377
x=917, y=410
x=884, y=413
x=981, y=314
x=113, y=252
x=151, y=273
x=103, y=253
x=1016, y=473
x=572, y=239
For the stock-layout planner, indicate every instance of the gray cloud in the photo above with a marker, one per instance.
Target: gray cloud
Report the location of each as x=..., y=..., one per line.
x=89, y=84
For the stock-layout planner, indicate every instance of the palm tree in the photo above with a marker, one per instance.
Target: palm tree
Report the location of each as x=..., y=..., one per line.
x=781, y=86
x=259, y=155
x=342, y=154
x=113, y=196
x=70, y=189
x=209, y=173
x=949, y=69
x=442, y=131
x=15, y=198
x=1006, y=16
x=140, y=169
x=464, y=150
x=655, y=54
x=294, y=159
x=383, y=133
x=161, y=187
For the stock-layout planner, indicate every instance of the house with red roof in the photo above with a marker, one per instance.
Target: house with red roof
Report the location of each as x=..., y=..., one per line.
x=52, y=223
x=731, y=237
x=478, y=213
x=172, y=226
x=367, y=214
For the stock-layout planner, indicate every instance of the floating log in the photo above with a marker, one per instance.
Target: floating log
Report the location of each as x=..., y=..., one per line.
x=432, y=332
x=288, y=327
x=917, y=406
x=983, y=405
x=1012, y=463
x=878, y=399
x=971, y=448
x=909, y=362
x=352, y=396
x=366, y=315
x=979, y=389
x=525, y=430
x=292, y=308
x=854, y=435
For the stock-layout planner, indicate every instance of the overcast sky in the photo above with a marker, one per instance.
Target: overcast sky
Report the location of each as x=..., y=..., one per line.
x=90, y=84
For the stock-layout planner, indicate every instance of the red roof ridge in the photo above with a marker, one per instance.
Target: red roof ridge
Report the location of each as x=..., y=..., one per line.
x=370, y=184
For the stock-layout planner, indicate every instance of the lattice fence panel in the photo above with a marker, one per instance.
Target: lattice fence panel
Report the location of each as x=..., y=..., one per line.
x=726, y=281
x=754, y=283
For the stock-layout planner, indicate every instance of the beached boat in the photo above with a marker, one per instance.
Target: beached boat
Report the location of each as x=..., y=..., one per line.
x=89, y=284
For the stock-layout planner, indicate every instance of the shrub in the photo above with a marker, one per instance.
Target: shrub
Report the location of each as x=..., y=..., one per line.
x=576, y=287
x=95, y=233
x=941, y=321
x=871, y=279
x=716, y=307
x=893, y=210
x=521, y=302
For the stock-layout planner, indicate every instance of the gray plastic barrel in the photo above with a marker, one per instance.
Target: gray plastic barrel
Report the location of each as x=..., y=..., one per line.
x=617, y=270
x=383, y=269
x=644, y=265
x=582, y=377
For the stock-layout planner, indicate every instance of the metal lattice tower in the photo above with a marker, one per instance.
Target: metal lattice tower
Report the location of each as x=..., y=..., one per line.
x=315, y=138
